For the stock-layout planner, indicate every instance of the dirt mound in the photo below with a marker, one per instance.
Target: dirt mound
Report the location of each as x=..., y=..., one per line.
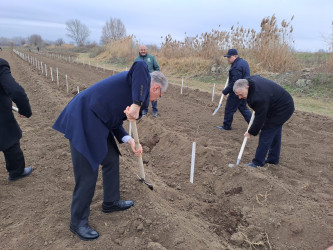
x=280, y=207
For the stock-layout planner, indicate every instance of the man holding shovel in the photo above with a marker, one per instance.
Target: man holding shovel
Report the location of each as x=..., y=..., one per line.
x=91, y=121
x=273, y=106
x=239, y=70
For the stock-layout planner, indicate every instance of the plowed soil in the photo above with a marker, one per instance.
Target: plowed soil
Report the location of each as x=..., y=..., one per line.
x=285, y=206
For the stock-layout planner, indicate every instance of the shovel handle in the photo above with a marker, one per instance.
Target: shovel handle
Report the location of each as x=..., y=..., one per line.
x=15, y=109
x=221, y=99
x=226, y=84
x=244, y=141
x=137, y=145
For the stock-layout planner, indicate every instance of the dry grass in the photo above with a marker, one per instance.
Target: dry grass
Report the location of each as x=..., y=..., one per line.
x=270, y=49
x=329, y=67
x=185, y=66
x=121, y=51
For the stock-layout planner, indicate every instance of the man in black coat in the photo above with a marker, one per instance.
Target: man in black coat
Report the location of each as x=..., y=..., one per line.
x=239, y=70
x=10, y=132
x=273, y=106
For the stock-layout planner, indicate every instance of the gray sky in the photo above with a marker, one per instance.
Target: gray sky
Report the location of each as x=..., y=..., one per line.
x=148, y=20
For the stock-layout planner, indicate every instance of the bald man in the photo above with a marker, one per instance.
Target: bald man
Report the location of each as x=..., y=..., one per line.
x=152, y=66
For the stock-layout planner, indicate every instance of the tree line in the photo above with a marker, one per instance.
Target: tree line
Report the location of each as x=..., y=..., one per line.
x=113, y=30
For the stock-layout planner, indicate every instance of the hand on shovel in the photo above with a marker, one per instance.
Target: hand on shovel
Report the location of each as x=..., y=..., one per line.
x=15, y=109
x=136, y=152
x=247, y=135
x=132, y=112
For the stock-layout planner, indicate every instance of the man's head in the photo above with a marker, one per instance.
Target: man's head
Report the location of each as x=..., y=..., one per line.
x=158, y=86
x=231, y=56
x=241, y=88
x=143, y=50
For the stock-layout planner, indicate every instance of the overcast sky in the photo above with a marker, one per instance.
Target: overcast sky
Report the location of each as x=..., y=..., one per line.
x=148, y=20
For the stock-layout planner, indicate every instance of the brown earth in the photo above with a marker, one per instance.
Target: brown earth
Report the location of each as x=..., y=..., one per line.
x=288, y=206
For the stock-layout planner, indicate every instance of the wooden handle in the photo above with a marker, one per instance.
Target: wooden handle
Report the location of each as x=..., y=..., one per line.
x=137, y=146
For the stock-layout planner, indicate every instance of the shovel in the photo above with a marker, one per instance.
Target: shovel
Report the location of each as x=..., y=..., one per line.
x=244, y=143
x=142, y=176
x=221, y=99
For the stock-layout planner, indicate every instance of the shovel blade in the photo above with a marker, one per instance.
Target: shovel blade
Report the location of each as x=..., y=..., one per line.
x=217, y=109
x=150, y=186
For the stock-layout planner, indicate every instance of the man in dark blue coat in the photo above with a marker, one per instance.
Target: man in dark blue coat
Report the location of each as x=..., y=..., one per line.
x=90, y=122
x=273, y=106
x=239, y=70
x=10, y=132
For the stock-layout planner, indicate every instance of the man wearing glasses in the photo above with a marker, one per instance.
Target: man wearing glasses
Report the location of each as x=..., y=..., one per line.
x=90, y=122
x=152, y=66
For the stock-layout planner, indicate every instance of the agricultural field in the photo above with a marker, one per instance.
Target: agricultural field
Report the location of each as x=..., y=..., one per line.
x=285, y=206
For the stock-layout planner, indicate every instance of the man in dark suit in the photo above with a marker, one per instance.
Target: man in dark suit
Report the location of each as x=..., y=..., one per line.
x=91, y=121
x=273, y=106
x=10, y=132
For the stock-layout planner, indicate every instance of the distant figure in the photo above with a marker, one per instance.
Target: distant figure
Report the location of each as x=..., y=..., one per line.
x=38, y=49
x=91, y=122
x=10, y=132
x=0, y=49
x=239, y=70
x=152, y=66
x=273, y=106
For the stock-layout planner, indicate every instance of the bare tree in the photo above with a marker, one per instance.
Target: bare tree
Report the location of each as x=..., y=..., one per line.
x=113, y=30
x=78, y=31
x=18, y=41
x=59, y=42
x=4, y=41
x=329, y=40
x=35, y=40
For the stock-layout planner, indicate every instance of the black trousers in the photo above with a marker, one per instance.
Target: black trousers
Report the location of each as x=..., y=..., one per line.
x=14, y=157
x=269, y=142
x=85, y=182
x=234, y=103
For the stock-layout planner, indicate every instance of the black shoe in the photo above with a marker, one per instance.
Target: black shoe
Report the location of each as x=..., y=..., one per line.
x=223, y=128
x=252, y=165
x=270, y=162
x=109, y=207
x=27, y=171
x=155, y=114
x=85, y=232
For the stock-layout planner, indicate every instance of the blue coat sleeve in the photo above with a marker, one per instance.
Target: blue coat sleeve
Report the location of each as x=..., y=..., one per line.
x=140, y=79
x=119, y=133
x=261, y=109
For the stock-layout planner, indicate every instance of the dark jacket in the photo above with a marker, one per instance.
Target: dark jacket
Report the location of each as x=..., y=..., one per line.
x=150, y=60
x=239, y=70
x=98, y=111
x=272, y=104
x=10, y=91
